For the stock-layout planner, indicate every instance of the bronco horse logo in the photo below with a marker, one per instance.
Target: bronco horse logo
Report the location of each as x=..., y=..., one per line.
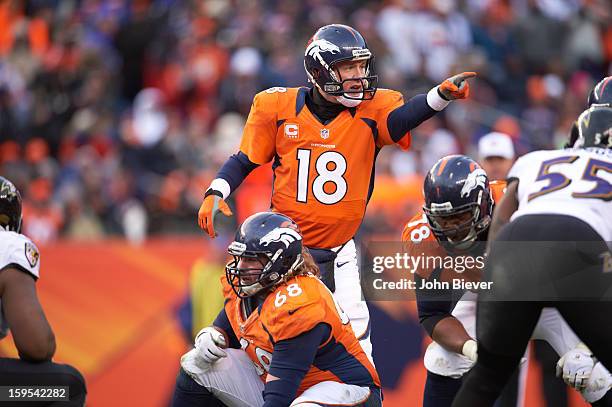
x=475, y=179
x=284, y=235
x=317, y=46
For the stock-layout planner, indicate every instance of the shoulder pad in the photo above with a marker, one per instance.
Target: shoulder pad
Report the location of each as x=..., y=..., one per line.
x=277, y=102
x=417, y=230
x=498, y=189
x=385, y=98
x=294, y=307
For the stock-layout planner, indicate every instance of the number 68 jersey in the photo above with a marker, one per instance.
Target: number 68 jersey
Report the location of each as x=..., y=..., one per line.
x=293, y=308
x=575, y=182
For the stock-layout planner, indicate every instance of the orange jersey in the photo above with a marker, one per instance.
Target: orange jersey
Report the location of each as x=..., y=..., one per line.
x=322, y=173
x=419, y=240
x=498, y=189
x=291, y=309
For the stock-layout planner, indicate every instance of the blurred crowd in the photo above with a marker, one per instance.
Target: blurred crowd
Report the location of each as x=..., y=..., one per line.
x=116, y=114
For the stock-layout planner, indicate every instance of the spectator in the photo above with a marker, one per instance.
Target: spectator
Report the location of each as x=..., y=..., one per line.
x=144, y=91
x=496, y=155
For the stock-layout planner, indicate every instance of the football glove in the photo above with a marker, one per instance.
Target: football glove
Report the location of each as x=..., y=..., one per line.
x=456, y=87
x=470, y=350
x=213, y=203
x=209, y=343
x=575, y=367
x=599, y=383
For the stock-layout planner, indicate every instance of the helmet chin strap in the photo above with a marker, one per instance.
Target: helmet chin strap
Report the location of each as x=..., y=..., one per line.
x=467, y=241
x=251, y=289
x=343, y=100
x=471, y=237
x=348, y=102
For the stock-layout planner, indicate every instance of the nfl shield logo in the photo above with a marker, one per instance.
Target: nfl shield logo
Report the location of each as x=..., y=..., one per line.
x=324, y=134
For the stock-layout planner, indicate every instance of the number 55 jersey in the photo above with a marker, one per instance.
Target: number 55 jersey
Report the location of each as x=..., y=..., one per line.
x=323, y=173
x=575, y=182
x=293, y=308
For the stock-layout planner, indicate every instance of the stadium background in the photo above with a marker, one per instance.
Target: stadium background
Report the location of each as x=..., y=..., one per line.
x=115, y=115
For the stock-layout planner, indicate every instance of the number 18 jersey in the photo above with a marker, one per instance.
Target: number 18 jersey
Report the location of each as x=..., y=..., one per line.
x=575, y=182
x=322, y=172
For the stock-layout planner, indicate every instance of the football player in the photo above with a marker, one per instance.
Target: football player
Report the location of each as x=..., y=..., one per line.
x=280, y=332
x=21, y=312
x=572, y=367
x=553, y=251
x=496, y=154
x=459, y=203
x=323, y=141
x=601, y=94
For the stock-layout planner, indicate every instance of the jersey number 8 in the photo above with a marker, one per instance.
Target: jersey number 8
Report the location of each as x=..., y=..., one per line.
x=420, y=233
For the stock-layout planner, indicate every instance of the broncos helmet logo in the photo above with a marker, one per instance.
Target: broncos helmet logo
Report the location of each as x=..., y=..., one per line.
x=475, y=179
x=284, y=235
x=315, y=48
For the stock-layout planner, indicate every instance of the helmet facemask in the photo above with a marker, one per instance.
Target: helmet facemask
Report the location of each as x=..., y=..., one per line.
x=462, y=235
x=333, y=84
x=248, y=281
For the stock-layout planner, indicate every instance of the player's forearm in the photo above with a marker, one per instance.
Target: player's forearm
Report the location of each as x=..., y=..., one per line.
x=222, y=322
x=408, y=116
x=450, y=334
x=291, y=360
x=433, y=305
x=232, y=173
x=279, y=393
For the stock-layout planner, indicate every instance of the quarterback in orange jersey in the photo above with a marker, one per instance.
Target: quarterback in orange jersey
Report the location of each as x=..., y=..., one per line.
x=281, y=332
x=323, y=141
x=454, y=223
